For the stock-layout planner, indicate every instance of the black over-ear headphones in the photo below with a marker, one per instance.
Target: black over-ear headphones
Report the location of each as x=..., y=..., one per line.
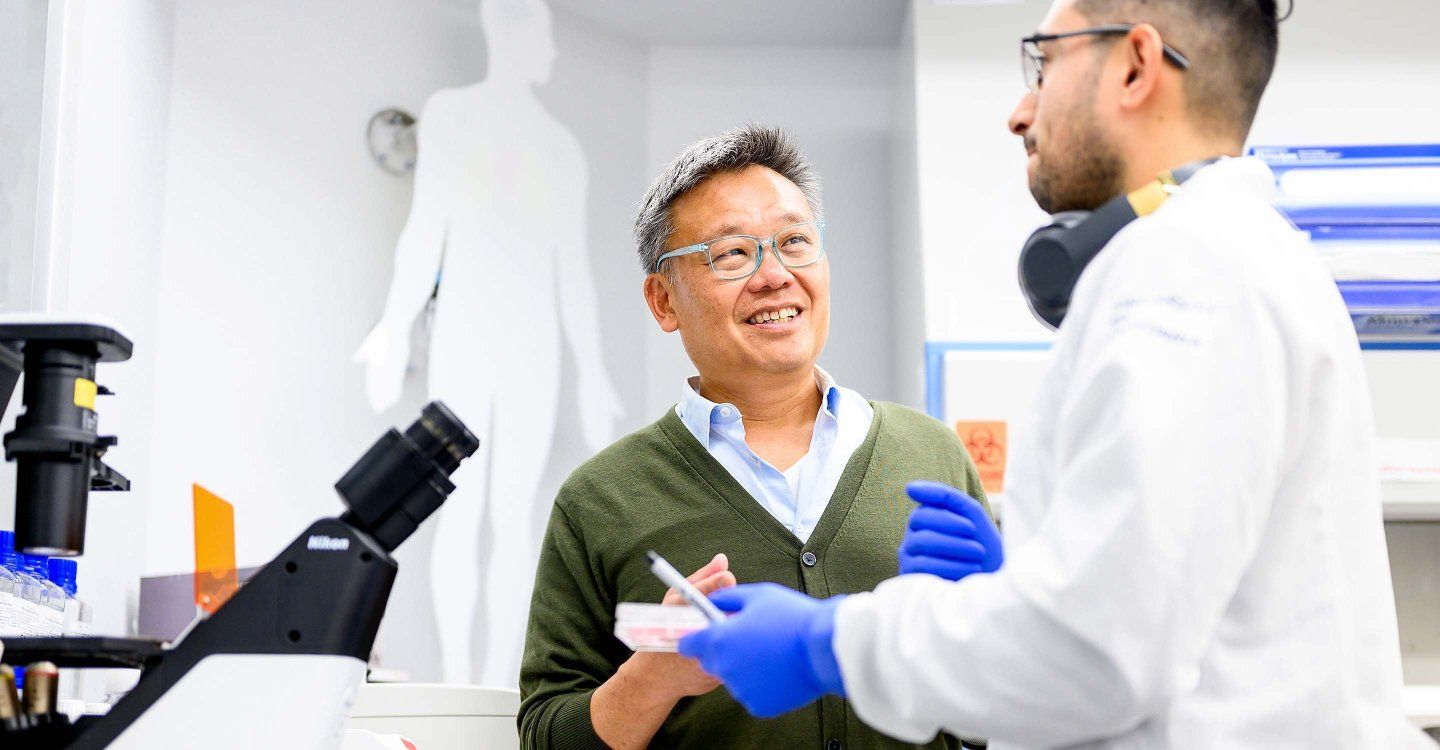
x=1055, y=255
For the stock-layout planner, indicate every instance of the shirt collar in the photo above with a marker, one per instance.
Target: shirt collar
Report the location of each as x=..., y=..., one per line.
x=699, y=413
x=828, y=389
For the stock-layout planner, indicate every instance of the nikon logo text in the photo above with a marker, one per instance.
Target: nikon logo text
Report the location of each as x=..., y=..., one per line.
x=327, y=543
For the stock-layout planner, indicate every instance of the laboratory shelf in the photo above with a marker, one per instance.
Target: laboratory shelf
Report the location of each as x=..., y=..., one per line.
x=1381, y=222
x=1411, y=501
x=1285, y=158
x=1384, y=223
x=1394, y=309
x=1390, y=296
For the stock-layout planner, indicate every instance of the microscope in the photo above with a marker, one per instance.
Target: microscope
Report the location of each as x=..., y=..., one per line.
x=278, y=664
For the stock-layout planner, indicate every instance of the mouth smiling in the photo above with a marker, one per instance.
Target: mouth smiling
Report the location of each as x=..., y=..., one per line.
x=775, y=317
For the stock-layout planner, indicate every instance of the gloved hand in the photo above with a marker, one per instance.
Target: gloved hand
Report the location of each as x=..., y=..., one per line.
x=950, y=534
x=776, y=654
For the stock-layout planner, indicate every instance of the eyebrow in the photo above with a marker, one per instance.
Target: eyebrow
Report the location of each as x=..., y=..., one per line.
x=725, y=230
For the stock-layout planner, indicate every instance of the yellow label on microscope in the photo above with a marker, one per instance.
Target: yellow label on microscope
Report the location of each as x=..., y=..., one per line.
x=85, y=391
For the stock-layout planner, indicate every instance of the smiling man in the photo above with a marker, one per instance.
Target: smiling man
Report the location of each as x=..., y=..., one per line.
x=766, y=470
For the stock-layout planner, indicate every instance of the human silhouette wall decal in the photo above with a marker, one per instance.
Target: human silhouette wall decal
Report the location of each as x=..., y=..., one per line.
x=499, y=214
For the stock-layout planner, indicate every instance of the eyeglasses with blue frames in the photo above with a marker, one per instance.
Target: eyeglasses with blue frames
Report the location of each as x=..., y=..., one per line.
x=1033, y=60
x=738, y=256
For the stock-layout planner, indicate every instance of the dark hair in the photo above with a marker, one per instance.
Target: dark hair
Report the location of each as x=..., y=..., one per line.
x=732, y=150
x=1231, y=45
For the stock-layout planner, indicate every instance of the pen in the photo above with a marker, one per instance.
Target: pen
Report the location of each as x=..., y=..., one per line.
x=672, y=578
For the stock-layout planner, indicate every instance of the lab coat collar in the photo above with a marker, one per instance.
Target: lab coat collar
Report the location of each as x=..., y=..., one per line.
x=1252, y=173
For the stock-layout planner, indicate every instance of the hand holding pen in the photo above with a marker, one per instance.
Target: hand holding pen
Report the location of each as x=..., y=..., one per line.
x=688, y=590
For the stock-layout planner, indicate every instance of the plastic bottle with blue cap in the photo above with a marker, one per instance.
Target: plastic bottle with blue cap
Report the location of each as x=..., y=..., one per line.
x=52, y=599
x=63, y=573
x=29, y=592
x=10, y=602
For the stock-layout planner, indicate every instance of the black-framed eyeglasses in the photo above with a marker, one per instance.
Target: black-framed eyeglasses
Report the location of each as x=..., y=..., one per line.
x=1032, y=59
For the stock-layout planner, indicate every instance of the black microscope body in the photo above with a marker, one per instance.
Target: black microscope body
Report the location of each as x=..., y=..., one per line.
x=325, y=594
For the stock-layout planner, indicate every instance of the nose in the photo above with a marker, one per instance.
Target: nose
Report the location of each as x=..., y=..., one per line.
x=1024, y=115
x=772, y=274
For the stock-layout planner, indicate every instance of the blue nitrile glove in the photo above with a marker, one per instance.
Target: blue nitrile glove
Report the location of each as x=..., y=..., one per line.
x=777, y=654
x=950, y=534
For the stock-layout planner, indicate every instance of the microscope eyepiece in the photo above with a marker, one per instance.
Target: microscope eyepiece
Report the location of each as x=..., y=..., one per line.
x=402, y=479
x=443, y=437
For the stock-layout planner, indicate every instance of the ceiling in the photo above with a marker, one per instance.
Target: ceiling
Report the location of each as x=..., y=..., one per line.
x=716, y=22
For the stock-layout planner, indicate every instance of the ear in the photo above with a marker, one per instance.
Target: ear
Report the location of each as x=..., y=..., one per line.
x=1144, y=64
x=659, y=297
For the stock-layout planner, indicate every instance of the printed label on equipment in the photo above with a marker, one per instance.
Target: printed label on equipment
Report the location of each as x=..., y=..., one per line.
x=327, y=543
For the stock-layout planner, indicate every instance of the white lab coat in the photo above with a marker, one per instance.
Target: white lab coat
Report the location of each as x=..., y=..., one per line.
x=1195, y=555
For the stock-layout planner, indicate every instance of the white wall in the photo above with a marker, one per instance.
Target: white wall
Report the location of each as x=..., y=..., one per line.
x=96, y=237
x=119, y=172
x=277, y=239
x=23, y=28
x=975, y=208
x=96, y=216
x=907, y=272
x=838, y=103
x=22, y=79
x=599, y=90
x=1355, y=73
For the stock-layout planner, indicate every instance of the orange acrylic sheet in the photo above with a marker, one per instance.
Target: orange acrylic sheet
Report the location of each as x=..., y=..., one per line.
x=215, y=577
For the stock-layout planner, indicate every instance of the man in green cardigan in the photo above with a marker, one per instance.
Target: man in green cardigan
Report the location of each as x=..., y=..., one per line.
x=766, y=470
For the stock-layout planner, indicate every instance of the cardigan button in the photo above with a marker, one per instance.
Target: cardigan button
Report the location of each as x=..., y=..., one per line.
x=809, y=559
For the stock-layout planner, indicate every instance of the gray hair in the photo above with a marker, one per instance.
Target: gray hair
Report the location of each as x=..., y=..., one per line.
x=732, y=150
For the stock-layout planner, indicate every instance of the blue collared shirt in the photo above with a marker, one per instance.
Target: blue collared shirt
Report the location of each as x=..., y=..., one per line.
x=798, y=496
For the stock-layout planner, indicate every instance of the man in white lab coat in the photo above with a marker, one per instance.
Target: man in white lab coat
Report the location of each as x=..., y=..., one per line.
x=1194, y=545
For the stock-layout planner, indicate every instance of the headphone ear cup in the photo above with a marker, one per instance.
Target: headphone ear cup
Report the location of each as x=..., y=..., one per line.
x=1047, y=266
x=1054, y=257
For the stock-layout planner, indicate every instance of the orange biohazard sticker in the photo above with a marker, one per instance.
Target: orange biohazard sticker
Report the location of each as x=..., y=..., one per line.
x=986, y=443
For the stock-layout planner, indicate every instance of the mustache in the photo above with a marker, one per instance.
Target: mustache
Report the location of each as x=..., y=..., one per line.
x=1029, y=143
